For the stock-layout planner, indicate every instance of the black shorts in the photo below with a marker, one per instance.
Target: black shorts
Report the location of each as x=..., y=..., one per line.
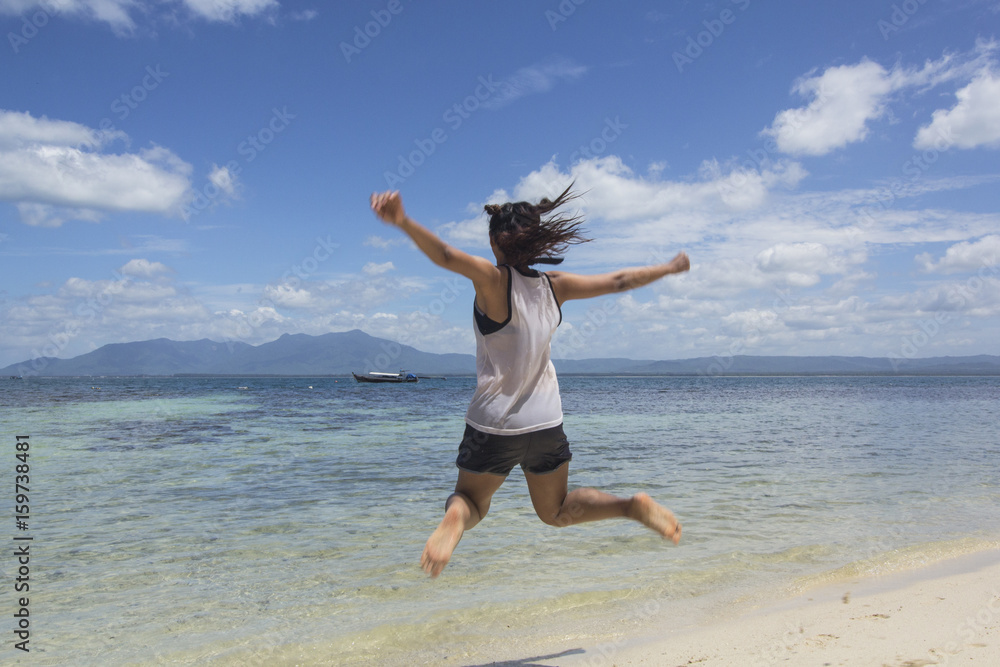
x=537, y=452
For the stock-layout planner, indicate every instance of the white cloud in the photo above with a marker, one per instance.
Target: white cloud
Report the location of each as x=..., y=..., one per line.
x=373, y=269
x=44, y=215
x=973, y=121
x=143, y=268
x=976, y=296
x=223, y=179
x=657, y=168
x=383, y=243
x=468, y=233
x=287, y=296
x=144, y=302
x=801, y=262
x=316, y=297
x=118, y=14
x=419, y=329
x=54, y=171
x=744, y=188
x=965, y=257
x=21, y=129
x=751, y=325
x=612, y=191
x=538, y=78
x=473, y=232
x=842, y=102
x=637, y=218
x=66, y=321
x=229, y=10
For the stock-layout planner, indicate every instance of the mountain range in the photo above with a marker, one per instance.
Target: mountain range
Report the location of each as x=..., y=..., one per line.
x=356, y=351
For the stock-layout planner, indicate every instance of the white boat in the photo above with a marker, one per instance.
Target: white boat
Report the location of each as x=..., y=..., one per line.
x=375, y=376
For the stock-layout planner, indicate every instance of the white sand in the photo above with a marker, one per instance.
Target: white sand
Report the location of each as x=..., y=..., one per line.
x=945, y=614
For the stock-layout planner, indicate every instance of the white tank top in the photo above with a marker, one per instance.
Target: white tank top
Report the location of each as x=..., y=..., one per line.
x=517, y=390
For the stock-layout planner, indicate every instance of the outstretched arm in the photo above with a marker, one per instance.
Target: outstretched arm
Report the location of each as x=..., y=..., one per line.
x=575, y=286
x=389, y=207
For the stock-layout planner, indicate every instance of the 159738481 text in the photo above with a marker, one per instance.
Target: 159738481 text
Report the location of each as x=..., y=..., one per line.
x=22, y=543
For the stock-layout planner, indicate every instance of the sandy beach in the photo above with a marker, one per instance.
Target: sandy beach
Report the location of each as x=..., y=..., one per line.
x=947, y=613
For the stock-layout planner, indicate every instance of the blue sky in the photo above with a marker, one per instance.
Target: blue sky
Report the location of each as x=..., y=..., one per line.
x=200, y=169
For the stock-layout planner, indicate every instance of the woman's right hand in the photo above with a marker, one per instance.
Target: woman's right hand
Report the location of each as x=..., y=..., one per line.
x=388, y=206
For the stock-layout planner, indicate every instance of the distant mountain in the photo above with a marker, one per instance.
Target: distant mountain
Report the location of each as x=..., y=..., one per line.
x=292, y=354
x=152, y=357
x=748, y=365
x=339, y=354
x=613, y=366
x=342, y=353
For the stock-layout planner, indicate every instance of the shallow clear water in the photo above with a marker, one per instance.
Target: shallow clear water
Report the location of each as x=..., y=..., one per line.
x=253, y=521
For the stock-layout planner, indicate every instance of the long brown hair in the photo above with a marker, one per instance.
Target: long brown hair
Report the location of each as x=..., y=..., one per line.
x=526, y=237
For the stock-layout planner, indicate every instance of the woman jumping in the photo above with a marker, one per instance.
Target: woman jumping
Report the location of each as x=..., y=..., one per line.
x=515, y=417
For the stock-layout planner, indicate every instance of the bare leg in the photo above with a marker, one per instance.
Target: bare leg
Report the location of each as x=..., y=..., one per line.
x=556, y=507
x=463, y=510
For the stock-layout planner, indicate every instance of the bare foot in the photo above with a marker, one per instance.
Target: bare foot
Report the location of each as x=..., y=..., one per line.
x=654, y=516
x=442, y=543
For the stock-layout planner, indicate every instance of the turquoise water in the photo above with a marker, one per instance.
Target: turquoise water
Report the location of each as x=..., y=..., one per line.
x=280, y=521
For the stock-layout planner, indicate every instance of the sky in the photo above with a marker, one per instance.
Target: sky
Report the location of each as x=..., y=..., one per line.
x=195, y=169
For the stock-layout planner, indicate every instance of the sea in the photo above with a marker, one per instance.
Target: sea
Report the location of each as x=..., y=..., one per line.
x=280, y=521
